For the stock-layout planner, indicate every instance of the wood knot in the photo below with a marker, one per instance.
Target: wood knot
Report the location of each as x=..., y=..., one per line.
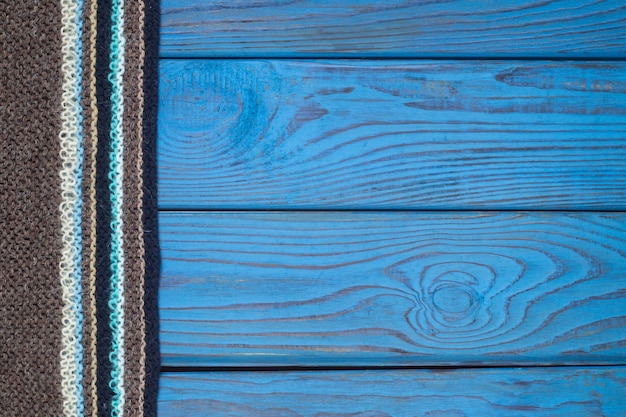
x=452, y=299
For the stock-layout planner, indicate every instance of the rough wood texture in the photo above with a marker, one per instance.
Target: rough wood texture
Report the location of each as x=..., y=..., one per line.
x=367, y=289
x=392, y=135
x=553, y=392
x=396, y=28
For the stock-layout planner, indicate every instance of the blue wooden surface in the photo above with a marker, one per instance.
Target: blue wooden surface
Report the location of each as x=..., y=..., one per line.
x=411, y=287
x=392, y=135
x=369, y=289
x=567, y=392
x=393, y=28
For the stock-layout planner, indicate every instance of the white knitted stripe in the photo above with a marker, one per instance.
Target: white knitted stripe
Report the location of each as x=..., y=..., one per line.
x=69, y=141
x=117, y=176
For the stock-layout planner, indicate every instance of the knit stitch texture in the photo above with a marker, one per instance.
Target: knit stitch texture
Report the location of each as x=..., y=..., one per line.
x=79, y=256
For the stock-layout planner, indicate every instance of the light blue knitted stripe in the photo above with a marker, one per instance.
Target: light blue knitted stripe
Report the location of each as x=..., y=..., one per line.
x=116, y=300
x=78, y=304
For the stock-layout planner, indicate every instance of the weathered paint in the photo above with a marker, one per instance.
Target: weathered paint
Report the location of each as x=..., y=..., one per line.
x=567, y=392
x=392, y=135
x=370, y=289
x=393, y=28
x=341, y=288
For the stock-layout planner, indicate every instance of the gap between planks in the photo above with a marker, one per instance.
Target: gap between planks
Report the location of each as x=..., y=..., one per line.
x=374, y=210
x=207, y=369
x=417, y=59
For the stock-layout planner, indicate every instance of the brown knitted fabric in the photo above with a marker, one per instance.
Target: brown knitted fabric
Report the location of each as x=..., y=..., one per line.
x=133, y=208
x=30, y=245
x=110, y=302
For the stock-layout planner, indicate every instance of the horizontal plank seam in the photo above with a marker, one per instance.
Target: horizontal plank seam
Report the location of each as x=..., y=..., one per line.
x=392, y=58
x=383, y=210
x=194, y=369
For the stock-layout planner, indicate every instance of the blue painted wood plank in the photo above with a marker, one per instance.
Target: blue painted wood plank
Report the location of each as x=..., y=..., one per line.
x=395, y=288
x=551, y=392
x=393, y=28
x=392, y=135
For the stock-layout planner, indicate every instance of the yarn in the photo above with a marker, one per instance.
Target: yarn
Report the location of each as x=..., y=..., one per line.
x=70, y=208
x=116, y=176
x=78, y=275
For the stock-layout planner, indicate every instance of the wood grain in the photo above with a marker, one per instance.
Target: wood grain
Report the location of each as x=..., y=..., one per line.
x=486, y=392
x=393, y=28
x=396, y=288
x=439, y=135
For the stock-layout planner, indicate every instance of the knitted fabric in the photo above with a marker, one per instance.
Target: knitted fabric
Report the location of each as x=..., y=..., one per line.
x=79, y=258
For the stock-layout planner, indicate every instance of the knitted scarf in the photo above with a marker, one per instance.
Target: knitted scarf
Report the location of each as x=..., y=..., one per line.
x=78, y=251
